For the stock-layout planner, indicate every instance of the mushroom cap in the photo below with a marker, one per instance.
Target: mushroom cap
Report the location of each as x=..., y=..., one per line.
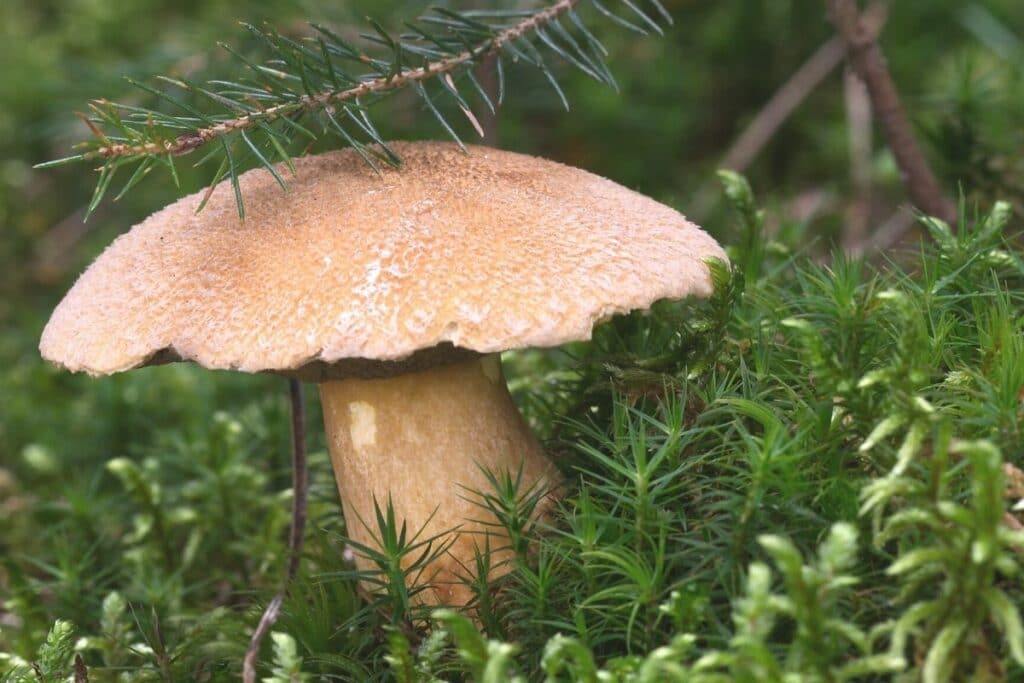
x=351, y=273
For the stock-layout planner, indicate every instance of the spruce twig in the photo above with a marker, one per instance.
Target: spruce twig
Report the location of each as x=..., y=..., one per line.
x=329, y=78
x=193, y=140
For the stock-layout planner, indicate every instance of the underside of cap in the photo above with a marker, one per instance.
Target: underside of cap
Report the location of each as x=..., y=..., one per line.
x=316, y=371
x=351, y=273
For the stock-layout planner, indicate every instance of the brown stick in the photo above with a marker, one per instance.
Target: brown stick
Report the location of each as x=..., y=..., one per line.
x=487, y=74
x=859, y=133
x=780, y=107
x=300, y=486
x=868, y=62
x=888, y=234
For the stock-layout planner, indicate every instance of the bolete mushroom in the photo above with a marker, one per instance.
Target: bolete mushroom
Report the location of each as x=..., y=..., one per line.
x=396, y=293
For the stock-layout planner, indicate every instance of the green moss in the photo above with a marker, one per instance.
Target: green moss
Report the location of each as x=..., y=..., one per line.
x=802, y=476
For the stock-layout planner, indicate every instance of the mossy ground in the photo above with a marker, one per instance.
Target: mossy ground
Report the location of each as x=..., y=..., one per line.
x=809, y=477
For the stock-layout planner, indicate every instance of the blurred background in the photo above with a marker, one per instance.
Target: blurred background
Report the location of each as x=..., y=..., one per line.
x=697, y=99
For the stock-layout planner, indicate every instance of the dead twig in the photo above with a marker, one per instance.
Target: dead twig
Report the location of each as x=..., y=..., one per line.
x=781, y=106
x=81, y=672
x=868, y=62
x=859, y=139
x=890, y=233
x=300, y=487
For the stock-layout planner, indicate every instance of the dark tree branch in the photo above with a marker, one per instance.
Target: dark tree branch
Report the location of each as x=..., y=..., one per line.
x=868, y=62
x=300, y=486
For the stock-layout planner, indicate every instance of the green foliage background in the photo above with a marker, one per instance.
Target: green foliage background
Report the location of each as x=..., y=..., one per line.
x=801, y=480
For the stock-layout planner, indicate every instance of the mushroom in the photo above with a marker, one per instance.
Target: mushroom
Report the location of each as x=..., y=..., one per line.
x=396, y=292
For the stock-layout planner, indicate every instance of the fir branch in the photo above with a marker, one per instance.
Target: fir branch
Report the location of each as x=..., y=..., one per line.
x=256, y=118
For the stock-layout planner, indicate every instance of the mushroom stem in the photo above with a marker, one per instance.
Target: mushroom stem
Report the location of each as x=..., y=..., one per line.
x=425, y=439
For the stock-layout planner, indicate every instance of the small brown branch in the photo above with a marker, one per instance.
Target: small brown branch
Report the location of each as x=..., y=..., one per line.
x=300, y=487
x=80, y=671
x=487, y=75
x=889, y=234
x=868, y=62
x=189, y=142
x=859, y=143
x=1014, y=477
x=781, y=106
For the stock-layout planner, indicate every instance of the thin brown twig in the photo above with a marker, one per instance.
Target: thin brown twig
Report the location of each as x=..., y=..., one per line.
x=868, y=62
x=300, y=488
x=888, y=234
x=1014, y=477
x=859, y=144
x=189, y=142
x=487, y=75
x=781, y=106
x=81, y=673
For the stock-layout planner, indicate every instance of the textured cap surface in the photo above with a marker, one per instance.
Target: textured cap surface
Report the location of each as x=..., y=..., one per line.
x=486, y=251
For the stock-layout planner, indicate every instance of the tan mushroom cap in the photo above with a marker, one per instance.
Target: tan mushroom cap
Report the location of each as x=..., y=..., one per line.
x=485, y=251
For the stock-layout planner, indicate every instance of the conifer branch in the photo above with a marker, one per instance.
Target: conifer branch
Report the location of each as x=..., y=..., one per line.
x=331, y=79
x=189, y=142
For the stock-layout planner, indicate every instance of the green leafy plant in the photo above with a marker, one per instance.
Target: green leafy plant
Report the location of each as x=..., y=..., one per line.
x=53, y=661
x=287, y=662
